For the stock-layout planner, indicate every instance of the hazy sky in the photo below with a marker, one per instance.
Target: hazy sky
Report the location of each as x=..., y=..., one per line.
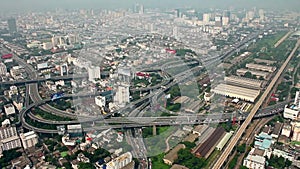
x=17, y=5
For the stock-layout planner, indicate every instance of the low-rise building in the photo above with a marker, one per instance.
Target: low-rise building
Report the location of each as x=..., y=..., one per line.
x=242, y=72
x=119, y=162
x=199, y=129
x=255, y=159
x=9, y=109
x=261, y=67
x=9, y=138
x=296, y=131
x=285, y=155
x=236, y=92
x=224, y=140
x=276, y=130
x=254, y=162
x=29, y=139
x=172, y=155
x=244, y=82
x=291, y=112
x=286, y=130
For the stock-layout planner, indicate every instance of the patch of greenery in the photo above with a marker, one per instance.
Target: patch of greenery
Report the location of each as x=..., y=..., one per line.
x=186, y=158
x=279, y=162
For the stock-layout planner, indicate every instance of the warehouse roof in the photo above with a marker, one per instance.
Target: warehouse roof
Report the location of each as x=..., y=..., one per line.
x=242, y=81
x=236, y=92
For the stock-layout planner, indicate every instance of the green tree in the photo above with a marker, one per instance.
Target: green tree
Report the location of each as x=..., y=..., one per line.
x=241, y=148
x=86, y=166
x=248, y=75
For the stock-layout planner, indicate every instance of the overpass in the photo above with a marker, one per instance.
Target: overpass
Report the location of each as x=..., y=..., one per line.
x=37, y=80
x=132, y=122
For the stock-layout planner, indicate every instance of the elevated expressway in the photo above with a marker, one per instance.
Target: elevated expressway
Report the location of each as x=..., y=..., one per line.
x=233, y=141
x=33, y=88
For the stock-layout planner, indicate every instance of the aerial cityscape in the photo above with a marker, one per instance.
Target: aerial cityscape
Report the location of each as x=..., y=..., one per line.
x=140, y=85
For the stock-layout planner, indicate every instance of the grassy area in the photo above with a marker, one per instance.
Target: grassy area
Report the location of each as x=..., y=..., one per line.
x=157, y=162
x=48, y=116
x=156, y=144
x=295, y=143
x=64, y=154
x=211, y=158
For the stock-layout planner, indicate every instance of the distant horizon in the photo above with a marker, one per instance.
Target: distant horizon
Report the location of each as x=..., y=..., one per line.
x=16, y=6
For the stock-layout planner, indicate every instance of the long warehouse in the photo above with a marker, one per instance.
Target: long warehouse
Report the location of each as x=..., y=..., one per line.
x=261, y=67
x=244, y=82
x=242, y=72
x=236, y=92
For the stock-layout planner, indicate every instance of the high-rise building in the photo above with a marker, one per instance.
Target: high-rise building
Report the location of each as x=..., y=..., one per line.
x=206, y=18
x=261, y=14
x=122, y=95
x=94, y=73
x=218, y=21
x=12, y=25
x=55, y=40
x=175, y=32
x=3, y=69
x=29, y=139
x=9, y=139
x=225, y=21
x=100, y=101
x=177, y=13
x=64, y=69
x=125, y=75
x=250, y=15
x=142, y=9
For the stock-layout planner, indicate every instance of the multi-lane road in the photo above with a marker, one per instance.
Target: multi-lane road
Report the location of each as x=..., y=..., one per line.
x=256, y=107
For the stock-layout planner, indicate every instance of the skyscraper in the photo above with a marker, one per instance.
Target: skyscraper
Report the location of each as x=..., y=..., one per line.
x=12, y=25
x=3, y=69
x=94, y=73
x=64, y=69
x=206, y=18
x=122, y=95
x=177, y=13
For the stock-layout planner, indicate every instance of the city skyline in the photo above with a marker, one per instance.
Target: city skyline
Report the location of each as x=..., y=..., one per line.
x=18, y=5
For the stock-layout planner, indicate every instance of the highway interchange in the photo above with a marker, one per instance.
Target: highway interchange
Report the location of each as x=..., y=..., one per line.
x=153, y=97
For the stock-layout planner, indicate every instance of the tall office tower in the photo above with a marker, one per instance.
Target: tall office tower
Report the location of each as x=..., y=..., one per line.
x=142, y=9
x=55, y=40
x=29, y=139
x=122, y=95
x=206, y=18
x=9, y=138
x=12, y=25
x=125, y=75
x=218, y=21
x=73, y=39
x=225, y=21
x=250, y=15
x=136, y=8
x=226, y=14
x=261, y=14
x=64, y=69
x=175, y=32
x=94, y=73
x=3, y=69
x=152, y=29
x=177, y=13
